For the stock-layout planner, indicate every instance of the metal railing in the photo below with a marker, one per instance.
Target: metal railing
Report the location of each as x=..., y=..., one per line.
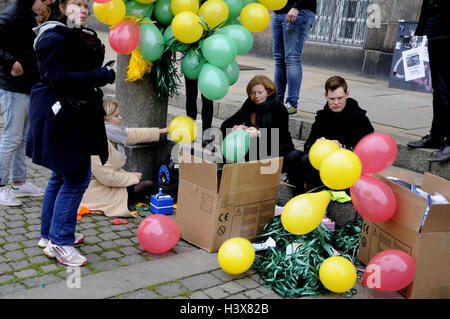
x=340, y=21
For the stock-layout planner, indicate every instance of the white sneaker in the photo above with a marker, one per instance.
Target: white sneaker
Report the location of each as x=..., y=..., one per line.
x=79, y=238
x=27, y=189
x=66, y=255
x=7, y=198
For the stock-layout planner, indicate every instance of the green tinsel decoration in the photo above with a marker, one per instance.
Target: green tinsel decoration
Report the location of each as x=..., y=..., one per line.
x=165, y=75
x=297, y=274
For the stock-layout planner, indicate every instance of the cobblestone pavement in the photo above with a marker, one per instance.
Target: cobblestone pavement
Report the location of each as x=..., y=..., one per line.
x=108, y=247
x=23, y=265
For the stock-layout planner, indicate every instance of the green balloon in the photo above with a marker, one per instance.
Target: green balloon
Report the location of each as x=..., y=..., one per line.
x=163, y=13
x=235, y=145
x=234, y=8
x=232, y=72
x=151, y=45
x=192, y=63
x=240, y=35
x=139, y=10
x=212, y=82
x=231, y=22
x=219, y=50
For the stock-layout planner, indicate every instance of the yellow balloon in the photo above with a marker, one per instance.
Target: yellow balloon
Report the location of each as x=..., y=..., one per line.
x=178, y=6
x=255, y=17
x=303, y=213
x=337, y=274
x=187, y=27
x=274, y=4
x=145, y=1
x=214, y=12
x=340, y=170
x=111, y=12
x=236, y=255
x=319, y=150
x=183, y=129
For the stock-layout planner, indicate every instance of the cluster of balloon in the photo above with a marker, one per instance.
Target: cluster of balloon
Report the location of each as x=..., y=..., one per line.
x=210, y=35
x=342, y=169
x=183, y=129
x=158, y=234
x=389, y=270
x=236, y=255
x=372, y=198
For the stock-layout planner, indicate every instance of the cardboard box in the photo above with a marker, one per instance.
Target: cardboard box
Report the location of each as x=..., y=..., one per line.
x=215, y=204
x=429, y=247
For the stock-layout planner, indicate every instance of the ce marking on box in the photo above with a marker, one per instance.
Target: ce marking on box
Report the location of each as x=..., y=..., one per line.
x=223, y=217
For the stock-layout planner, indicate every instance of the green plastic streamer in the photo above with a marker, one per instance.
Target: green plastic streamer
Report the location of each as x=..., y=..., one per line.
x=297, y=274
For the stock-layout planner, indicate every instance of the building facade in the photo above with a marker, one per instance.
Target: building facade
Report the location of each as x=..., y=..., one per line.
x=356, y=36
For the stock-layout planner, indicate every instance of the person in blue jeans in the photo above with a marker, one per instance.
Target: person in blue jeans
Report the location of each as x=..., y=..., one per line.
x=290, y=27
x=18, y=73
x=66, y=122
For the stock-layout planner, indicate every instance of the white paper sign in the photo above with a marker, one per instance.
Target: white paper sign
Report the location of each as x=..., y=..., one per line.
x=413, y=64
x=424, y=52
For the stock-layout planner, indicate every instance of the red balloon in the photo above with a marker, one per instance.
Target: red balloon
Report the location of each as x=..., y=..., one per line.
x=101, y=1
x=158, y=233
x=376, y=151
x=125, y=37
x=390, y=270
x=373, y=199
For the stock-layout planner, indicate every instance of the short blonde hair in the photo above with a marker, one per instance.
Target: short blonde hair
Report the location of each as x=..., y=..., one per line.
x=110, y=106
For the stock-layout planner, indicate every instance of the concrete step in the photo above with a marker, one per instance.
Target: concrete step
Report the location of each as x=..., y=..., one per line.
x=300, y=127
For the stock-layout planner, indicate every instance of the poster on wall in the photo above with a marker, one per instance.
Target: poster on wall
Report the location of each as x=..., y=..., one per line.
x=410, y=68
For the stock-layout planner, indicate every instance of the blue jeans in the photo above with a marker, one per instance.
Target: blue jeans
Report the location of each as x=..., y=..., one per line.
x=288, y=42
x=15, y=108
x=60, y=207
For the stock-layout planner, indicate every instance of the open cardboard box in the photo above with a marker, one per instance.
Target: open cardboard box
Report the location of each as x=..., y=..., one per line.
x=217, y=203
x=429, y=245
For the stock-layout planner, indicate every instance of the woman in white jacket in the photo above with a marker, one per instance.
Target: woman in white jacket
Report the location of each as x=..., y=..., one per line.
x=112, y=188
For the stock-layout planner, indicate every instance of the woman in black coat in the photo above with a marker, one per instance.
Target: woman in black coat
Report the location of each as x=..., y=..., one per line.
x=341, y=120
x=263, y=115
x=66, y=122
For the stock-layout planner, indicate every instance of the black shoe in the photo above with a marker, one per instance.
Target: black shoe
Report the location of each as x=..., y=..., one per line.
x=427, y=141
x=442, y=155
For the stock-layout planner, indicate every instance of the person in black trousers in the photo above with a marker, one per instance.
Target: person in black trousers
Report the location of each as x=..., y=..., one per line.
x=341, y=120
x=434, y=22
x=191, y=107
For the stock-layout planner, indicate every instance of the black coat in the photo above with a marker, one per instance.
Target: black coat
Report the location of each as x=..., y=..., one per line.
x=272, y=114
x=16, y=44
x=434, y=20
x=71, y=65
x=347, y=126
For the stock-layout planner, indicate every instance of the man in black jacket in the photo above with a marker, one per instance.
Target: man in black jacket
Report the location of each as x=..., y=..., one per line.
x=341, y=120
x=434, y=22
x=18, y=73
